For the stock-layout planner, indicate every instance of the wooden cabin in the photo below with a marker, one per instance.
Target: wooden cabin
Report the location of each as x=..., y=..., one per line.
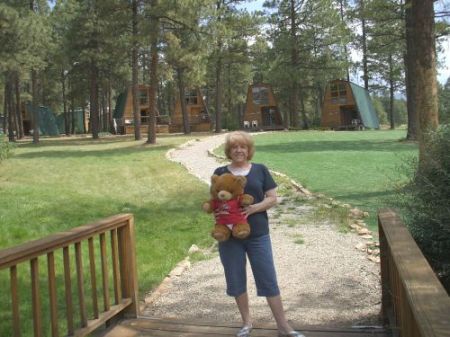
x=261, y=110
x=199, y=119
x=347, y=106
x=123, y=112
x=48, y=125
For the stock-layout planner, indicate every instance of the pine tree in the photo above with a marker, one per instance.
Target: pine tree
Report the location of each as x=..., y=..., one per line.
x=425, y=93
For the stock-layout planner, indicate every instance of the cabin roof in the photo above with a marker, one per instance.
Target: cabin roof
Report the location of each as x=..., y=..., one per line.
x=120, y=105
x=365, y=107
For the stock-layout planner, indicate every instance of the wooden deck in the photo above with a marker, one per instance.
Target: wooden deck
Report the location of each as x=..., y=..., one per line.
x=157, y=327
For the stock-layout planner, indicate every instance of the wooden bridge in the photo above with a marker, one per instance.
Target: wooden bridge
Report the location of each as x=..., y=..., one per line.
x=414, y=303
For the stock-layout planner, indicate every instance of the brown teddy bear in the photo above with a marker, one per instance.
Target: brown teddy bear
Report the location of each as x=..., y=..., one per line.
x=227, y=200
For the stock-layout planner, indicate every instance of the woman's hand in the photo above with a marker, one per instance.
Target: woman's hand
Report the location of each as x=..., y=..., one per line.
x=269, y=201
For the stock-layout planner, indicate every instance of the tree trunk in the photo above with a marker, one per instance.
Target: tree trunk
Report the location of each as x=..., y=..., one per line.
x=5, y=108
x=364, y=45
x=341, y=5
x=94, y=115
x=135, y=72
x=14, y=108
x=104, y=116
x=410, y=81
x=34, y=107
x=294, y=64
x=219, y=86
x=34, y=100
x=151, y=139
x=64, y=99
x=110, y=114
x=319, y=93
x=9, y=109
x=72, y=112
x=303, y=112
x=18, y=107
x=391, y=93
x=184, y=113
x=426, y=92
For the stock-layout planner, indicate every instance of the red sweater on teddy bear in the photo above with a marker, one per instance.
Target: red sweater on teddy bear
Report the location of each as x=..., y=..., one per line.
x=230, y=212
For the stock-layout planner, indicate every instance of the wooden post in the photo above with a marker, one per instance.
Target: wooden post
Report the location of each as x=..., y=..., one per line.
x=35, y=296
x=52, y=293
x=15, y=302
x=386, y=302
x=127, y=259
x=68, y=290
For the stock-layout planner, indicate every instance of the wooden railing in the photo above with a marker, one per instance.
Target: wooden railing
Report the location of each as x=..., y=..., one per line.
x=115, y=263
x=414, y=302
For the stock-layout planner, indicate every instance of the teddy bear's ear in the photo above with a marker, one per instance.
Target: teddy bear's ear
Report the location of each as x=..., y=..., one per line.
x=242, y=180
x=214, y=178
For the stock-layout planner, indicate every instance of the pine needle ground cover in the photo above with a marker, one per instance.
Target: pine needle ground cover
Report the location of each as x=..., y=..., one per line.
x=65, y=183
x=362, y=168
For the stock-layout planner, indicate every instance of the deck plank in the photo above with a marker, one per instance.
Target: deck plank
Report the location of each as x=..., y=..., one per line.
x=158, y=327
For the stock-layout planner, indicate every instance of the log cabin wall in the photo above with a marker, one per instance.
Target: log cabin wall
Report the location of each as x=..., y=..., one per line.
x=339, y=106
x=261, y=111
x=127, y=120
x=199, y=119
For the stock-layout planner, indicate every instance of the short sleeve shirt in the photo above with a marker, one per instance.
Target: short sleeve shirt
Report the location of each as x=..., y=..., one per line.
x=259, y=181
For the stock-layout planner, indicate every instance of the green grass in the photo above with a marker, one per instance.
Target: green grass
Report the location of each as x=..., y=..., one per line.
x=64, y=183
x=359, y=168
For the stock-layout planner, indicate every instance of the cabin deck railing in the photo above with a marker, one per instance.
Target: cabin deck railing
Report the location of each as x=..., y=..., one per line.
x=107, y=246
x=414, y=302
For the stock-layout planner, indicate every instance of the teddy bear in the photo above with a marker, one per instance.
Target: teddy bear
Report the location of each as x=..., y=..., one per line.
x=227, y=200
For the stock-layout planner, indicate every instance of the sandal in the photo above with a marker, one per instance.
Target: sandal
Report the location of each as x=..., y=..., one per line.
x=291, y=334
x=244, y=331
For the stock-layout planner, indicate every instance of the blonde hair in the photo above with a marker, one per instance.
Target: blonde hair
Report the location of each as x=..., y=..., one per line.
x=239, y=138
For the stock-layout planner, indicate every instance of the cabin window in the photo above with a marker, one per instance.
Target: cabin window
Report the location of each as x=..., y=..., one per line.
x=143, y=97
x=144, y=116
x=260, y=95
x=191, y=97
x=338, y=93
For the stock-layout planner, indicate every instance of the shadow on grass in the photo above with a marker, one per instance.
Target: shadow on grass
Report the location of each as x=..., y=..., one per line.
x=80, y=153
x=326, y=145
x=73, y=141
x=365, y=195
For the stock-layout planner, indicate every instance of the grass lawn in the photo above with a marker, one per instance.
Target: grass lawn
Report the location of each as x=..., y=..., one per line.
x=64, y=183
x=359, y=168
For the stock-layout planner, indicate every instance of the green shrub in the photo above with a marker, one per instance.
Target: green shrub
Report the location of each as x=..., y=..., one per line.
x=5, y=148
x=427, y=204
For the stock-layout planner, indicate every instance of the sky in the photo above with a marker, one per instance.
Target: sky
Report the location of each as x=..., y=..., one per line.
x=443, y=72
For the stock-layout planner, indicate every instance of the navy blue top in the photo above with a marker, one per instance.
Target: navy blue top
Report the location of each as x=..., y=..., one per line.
x=259, y=181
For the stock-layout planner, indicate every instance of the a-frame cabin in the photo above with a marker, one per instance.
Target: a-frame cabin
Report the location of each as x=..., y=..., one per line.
x=261, y=109
x=123, y=112
x=347, y=106
x=197, y=111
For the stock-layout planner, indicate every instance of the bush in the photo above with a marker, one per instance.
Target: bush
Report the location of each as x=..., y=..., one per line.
x=5, y=148
x=427, y=204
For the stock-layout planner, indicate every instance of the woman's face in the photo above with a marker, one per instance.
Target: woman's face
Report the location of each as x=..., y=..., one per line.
x=239, y=153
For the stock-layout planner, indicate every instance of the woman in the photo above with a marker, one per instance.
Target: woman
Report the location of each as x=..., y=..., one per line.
x=239, y=148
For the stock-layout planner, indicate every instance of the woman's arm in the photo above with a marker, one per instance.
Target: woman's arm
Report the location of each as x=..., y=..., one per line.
x=270, y=200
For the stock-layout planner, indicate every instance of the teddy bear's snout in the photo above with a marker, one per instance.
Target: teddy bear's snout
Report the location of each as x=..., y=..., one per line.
x=224, y=195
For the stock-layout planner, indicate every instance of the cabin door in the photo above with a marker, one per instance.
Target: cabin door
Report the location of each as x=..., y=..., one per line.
x=269, y=116
x=347, y=115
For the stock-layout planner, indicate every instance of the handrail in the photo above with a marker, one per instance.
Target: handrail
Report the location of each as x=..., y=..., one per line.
x=414, y=302
x=119, y=261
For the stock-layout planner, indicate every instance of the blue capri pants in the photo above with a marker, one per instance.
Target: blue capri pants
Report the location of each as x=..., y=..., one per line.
x=233, y=255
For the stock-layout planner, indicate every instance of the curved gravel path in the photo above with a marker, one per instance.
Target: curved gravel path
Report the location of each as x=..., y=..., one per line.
x=324, y=279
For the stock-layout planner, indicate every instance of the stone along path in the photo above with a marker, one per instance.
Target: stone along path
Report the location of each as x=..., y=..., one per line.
x=324, y=278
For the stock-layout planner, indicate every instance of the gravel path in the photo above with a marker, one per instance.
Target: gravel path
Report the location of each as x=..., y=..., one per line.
x=324, y=279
